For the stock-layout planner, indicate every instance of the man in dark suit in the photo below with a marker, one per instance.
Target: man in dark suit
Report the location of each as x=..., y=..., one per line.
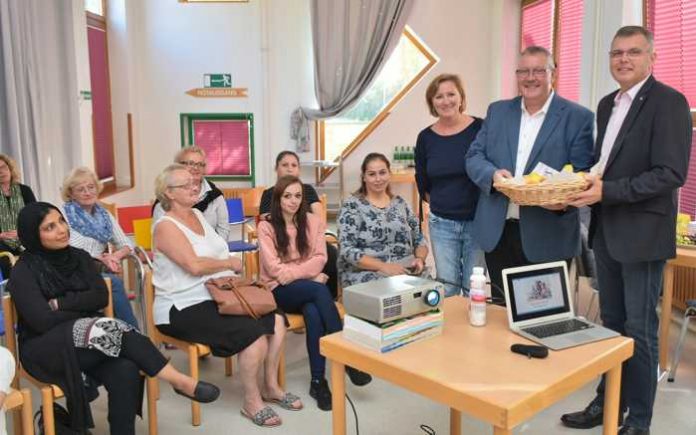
x=539, y=126
x=643, y=147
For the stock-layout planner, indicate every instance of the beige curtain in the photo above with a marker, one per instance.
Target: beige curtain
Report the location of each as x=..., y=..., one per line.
x=352, y=39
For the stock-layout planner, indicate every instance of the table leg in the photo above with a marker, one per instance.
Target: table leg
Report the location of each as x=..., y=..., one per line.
x=455, y=422
x=612, y=393
x=338, y=397
x=501, y=431
x=666, y=316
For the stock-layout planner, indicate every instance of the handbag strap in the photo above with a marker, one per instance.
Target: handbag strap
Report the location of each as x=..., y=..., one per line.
x=247, y=306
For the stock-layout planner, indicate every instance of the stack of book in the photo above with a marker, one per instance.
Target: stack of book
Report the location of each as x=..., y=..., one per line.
x=391, y=335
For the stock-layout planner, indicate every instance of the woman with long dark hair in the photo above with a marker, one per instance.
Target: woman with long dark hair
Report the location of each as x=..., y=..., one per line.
x=378, y=232
x=288, y=163
x=293, y=253
x=59, y=295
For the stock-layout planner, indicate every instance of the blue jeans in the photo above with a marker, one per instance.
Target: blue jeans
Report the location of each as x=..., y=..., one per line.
x=321, y=317
x=628, y=294
x=122, y=306
x=455, y=252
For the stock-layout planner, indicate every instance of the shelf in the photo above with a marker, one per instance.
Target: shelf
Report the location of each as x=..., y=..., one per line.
x=320, y=164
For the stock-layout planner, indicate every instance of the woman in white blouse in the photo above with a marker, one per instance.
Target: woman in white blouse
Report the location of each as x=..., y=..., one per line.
x=187, y=253
x=93, y=229
x=7, y=372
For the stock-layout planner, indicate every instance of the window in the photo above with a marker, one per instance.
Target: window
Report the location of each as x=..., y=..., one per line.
x=537, y=24
x=228, y=141
x=557, y=26
x=95, y=6
x=569, y=44
x=673, y=23
x=408, y=63
x=102, y=127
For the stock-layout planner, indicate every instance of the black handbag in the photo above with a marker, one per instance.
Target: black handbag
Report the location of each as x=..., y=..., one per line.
x=62, y=421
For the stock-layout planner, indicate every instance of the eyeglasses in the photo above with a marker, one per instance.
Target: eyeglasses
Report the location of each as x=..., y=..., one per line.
x=536, y=72
x=192, y=164
x=90, y=188
x=632, y=53
x=188, y=186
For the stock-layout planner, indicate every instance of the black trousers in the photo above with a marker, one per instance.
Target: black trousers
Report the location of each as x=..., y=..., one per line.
x=508, y=253
x=121, y=377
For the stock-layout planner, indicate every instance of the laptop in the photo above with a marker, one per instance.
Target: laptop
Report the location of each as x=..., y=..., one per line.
x=539, y=307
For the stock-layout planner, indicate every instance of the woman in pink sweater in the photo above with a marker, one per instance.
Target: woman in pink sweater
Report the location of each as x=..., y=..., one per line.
x=293, y=254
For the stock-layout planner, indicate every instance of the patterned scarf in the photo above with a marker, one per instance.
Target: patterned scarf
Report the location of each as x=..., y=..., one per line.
x=96, y=225
x=9, y=210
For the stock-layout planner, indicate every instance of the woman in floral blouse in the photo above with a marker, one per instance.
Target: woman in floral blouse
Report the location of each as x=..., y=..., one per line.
x=378, y=232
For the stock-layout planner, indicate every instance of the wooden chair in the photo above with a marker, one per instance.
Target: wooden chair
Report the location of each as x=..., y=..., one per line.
x=295, y=321
x=111, y=208
x=250, y=196
x=20, y=401
x=194, y=350
x=10, y=256
x=50, y=392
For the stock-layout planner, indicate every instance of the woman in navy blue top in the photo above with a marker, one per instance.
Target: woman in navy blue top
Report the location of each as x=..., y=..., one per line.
x=443, y=183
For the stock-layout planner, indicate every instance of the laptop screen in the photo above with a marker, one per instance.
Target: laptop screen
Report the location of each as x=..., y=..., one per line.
x=537, y=293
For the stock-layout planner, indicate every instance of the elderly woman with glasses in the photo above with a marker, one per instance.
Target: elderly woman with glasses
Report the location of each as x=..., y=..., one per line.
x=187, y=253
x=210, y=200
x=94, y=229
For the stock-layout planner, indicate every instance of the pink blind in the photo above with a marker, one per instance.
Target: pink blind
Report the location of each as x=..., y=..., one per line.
x=687, y=194
x=101, y=103
x=673, y=23
x=570, y=14
x=226, y=144
x=537, y=24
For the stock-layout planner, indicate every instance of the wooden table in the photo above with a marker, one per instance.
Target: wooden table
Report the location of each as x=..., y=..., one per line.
x=685, y=258
x=472, y=370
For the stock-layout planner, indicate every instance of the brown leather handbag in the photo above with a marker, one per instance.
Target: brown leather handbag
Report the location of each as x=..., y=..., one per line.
x=240, y=297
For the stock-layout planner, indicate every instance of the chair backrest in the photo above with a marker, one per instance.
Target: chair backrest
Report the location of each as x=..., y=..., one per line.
x=142, y=228
x=235, y=210
x=250, y=196
x=149, y=301
x=126, y=216
x=11, y=257
x=110, y=207
x=324, y=207
x=10, y=314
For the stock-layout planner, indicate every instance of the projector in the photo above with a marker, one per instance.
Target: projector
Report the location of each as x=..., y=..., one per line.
x=392, y=298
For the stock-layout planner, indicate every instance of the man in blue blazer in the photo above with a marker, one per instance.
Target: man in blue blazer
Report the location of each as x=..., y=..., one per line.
x=643, y=148
x=537, y=127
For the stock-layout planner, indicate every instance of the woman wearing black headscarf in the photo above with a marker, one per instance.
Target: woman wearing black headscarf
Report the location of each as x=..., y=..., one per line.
x=59, y=295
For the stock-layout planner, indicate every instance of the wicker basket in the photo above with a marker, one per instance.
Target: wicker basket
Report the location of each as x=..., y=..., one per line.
x=542, y=193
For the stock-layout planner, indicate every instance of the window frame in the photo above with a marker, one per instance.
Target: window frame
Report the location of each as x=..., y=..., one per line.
x=320, y=126
x=186, y=121
x=98, y=22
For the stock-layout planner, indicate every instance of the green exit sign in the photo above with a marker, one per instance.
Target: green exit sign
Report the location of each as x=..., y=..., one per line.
x=217, y=80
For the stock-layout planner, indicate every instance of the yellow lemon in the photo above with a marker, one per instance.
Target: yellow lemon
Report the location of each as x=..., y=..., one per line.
x=533, y=178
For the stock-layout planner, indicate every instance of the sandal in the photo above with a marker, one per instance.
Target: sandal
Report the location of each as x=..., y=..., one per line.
x=285, y=402
x=261, y=417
